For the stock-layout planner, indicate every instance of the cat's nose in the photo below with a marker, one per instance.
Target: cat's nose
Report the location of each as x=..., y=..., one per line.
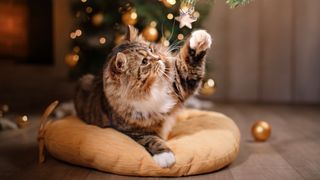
x=156, y=58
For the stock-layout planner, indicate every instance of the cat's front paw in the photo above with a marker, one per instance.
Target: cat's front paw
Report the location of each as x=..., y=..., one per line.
x=164, y=159
x=200, y=40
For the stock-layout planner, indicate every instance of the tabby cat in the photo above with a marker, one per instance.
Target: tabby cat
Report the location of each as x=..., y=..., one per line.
x=142, y=88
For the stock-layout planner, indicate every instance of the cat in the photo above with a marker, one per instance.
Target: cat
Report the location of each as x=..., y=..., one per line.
x=141, y=89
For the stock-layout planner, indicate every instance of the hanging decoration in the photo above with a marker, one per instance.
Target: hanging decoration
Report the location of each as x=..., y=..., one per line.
x=150, y=33
x=186, y=10
x=130, y=17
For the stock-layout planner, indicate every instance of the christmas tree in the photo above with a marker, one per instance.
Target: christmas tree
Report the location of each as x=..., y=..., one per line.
x=101, y=24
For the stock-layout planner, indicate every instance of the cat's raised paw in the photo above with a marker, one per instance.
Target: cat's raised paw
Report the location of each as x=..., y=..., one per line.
x=200, y=40
x=165, y=159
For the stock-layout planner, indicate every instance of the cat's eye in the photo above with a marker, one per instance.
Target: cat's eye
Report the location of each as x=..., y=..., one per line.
x=144, y=61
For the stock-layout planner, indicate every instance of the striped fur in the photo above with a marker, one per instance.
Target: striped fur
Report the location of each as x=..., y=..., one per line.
x=141, y=88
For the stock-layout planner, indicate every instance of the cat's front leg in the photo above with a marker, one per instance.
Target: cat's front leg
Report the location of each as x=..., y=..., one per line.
x=191, y=63
x=157, y=147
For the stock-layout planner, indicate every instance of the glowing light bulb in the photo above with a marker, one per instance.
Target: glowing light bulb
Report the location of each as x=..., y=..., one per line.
x=78, y=32
x=172, y=2
x=211, y=83
x=153, y=24
x=134, y=15
x=73, y=35
x=102, y=40
x=180, y=36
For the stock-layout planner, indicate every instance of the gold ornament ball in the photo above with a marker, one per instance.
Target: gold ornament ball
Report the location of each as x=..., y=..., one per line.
x=72, y=59
x=97, y=19
x=208, y=87
x=22, y=121
x=169, y=3
x=261, y=130
x=130, y=17
x=150, y=33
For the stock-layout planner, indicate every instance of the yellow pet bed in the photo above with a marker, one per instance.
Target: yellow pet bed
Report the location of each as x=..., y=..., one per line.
x=202, y=142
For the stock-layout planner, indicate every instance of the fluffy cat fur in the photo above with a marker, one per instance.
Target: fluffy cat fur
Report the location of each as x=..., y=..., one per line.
x=141, y=89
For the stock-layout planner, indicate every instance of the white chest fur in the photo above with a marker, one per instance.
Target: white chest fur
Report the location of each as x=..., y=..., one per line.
x=159, y=101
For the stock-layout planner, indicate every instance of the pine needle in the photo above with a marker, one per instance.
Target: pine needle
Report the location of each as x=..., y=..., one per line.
x=236, y=3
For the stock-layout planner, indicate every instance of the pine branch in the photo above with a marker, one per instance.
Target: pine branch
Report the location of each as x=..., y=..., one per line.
x=236, y=3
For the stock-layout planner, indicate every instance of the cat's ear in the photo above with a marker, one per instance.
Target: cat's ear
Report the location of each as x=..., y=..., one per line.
x=120, y=62
x=132, y=33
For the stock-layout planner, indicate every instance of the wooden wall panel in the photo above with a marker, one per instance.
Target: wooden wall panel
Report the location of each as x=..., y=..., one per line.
x=307, y=51
x=276, y=50
x=217, y=61
x=267, y=51
x=243, y=53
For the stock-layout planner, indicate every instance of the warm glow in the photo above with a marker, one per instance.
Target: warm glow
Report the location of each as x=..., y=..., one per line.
x=24, y=118
x=5, y=108
x=185, y=8
x=134, y=15
x=78, y=32
x=167, y=33
x=78, y=14
x=210, y=83
x=153, y=24
x=73, y=35
x=89, y=9
x=75, y=57
x=196, y=14
x=14, y=29
x=166, y=43
x=76, y=49
x=153, y=31
x=172, y=2
x=180, y=36
x=170, y=16
x=83, y=1
x=102, y=40
x=260, y=129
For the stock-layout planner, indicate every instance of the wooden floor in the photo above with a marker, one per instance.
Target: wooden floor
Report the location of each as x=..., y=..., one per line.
x=292, y=152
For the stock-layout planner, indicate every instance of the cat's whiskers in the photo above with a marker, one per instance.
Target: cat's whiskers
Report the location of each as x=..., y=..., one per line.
x=171, y=88
x=172, y=31
x=174, y=46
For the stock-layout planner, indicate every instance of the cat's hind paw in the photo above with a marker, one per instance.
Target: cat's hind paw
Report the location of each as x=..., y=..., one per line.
x=164, y=159
x=200, y=40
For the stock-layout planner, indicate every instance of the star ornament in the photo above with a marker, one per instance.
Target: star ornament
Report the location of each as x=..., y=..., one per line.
x=185, y=19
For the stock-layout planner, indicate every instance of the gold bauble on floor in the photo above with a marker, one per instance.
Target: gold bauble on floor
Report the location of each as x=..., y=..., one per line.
x=261, y=130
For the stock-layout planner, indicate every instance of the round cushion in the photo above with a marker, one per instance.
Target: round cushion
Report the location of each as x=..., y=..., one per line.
x=202, y=142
